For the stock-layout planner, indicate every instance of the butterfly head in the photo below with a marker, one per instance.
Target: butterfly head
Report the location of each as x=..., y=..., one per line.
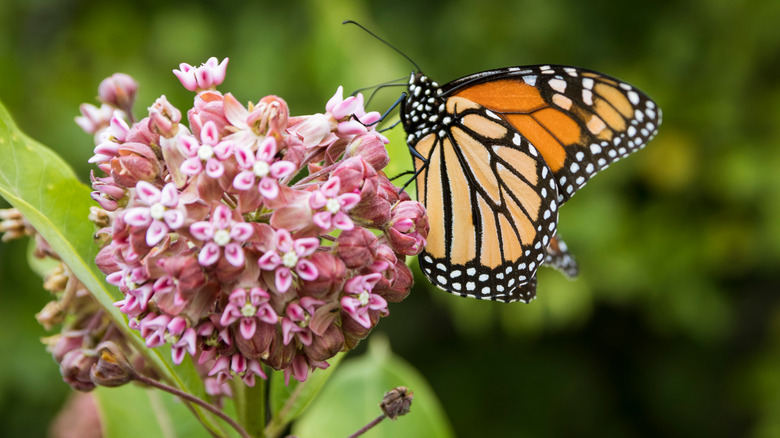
x=423, y=109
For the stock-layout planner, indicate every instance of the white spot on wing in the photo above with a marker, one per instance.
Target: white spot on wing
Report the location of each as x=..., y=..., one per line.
x=558, y=85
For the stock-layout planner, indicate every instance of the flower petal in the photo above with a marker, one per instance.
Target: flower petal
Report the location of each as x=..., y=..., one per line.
x=209, y=254
x=156, y=232
x=234, y=254
x=307, y=270
x=244, y=180
x=248, y=327
x=241, y=231
x=137, y=217
x=147, y=193
x=202, y=230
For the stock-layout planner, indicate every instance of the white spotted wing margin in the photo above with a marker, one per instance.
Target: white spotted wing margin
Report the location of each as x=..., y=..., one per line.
x=506, y=193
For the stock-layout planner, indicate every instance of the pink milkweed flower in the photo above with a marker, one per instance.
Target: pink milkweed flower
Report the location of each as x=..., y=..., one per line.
x=248, y=309
x=408, y=228
x=360, y=298
x=160, y=213
x=261, y=167
x=205, y=156
x=225, y=367
x=164, y=118
x=350, y=114
x=110, y=139
x=183, y=339
x=208, y=75
x=333, y=206
x=288, y=254
x=295, y=324
x=93, y=119
x=300, y=366
x=221, y=232
x=314, y=129
x=153, y=328
x=251, y=126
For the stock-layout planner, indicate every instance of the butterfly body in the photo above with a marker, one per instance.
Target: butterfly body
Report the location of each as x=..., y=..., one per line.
x=497, y=152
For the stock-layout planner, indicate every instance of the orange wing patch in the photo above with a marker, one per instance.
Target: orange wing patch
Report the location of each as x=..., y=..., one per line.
x=463, y=243
x=616, y=98
x=474, y=153
x=552, y=151
x=505, y=95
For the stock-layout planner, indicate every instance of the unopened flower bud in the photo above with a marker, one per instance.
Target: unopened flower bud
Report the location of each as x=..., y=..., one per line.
x=401, y=285
x=355, y=247
x=408, y=228
x=65, y=342
x=209, y=107
x=136, y=162
x=256, y=347
x=353, y=330
x=112, y=368
x=396, y=402
x=356, y=175
x=325, y=346
x=371, y=148
x=330, y=275
x=118, y=90
x=280, y=355
x=164, y=118
x=75, y=369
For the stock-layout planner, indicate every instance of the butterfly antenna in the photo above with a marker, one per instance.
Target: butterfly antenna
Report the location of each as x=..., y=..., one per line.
x=383, y=41
x=391, y=83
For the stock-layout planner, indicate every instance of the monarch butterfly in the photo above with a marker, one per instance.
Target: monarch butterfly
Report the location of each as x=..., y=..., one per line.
x=497, y=153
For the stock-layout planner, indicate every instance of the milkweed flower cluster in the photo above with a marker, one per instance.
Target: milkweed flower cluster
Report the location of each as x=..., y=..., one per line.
x=249, y=239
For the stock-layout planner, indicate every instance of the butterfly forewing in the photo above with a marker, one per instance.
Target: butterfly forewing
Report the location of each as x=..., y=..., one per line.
x=580, y=120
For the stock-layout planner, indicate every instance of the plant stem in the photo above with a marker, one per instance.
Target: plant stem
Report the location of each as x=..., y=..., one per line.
x=368, y=426
x=192, y=399
x=253, y=408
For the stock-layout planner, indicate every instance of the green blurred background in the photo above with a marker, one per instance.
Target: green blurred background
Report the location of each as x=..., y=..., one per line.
x=673, y=327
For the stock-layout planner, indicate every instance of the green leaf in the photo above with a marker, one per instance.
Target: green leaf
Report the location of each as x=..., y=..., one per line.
x=133, y=411
x=289, y=401
x=351, y=399
x=46, y=191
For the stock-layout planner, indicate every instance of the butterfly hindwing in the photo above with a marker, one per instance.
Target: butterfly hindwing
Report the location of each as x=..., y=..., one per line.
x=558, y=257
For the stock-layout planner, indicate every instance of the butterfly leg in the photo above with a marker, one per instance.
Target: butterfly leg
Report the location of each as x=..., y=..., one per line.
x=415, y=154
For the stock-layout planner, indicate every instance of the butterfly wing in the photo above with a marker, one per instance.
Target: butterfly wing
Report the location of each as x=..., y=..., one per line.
x=558, y=257
x=491, y=205
x=578, y=119
x=496, y=153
